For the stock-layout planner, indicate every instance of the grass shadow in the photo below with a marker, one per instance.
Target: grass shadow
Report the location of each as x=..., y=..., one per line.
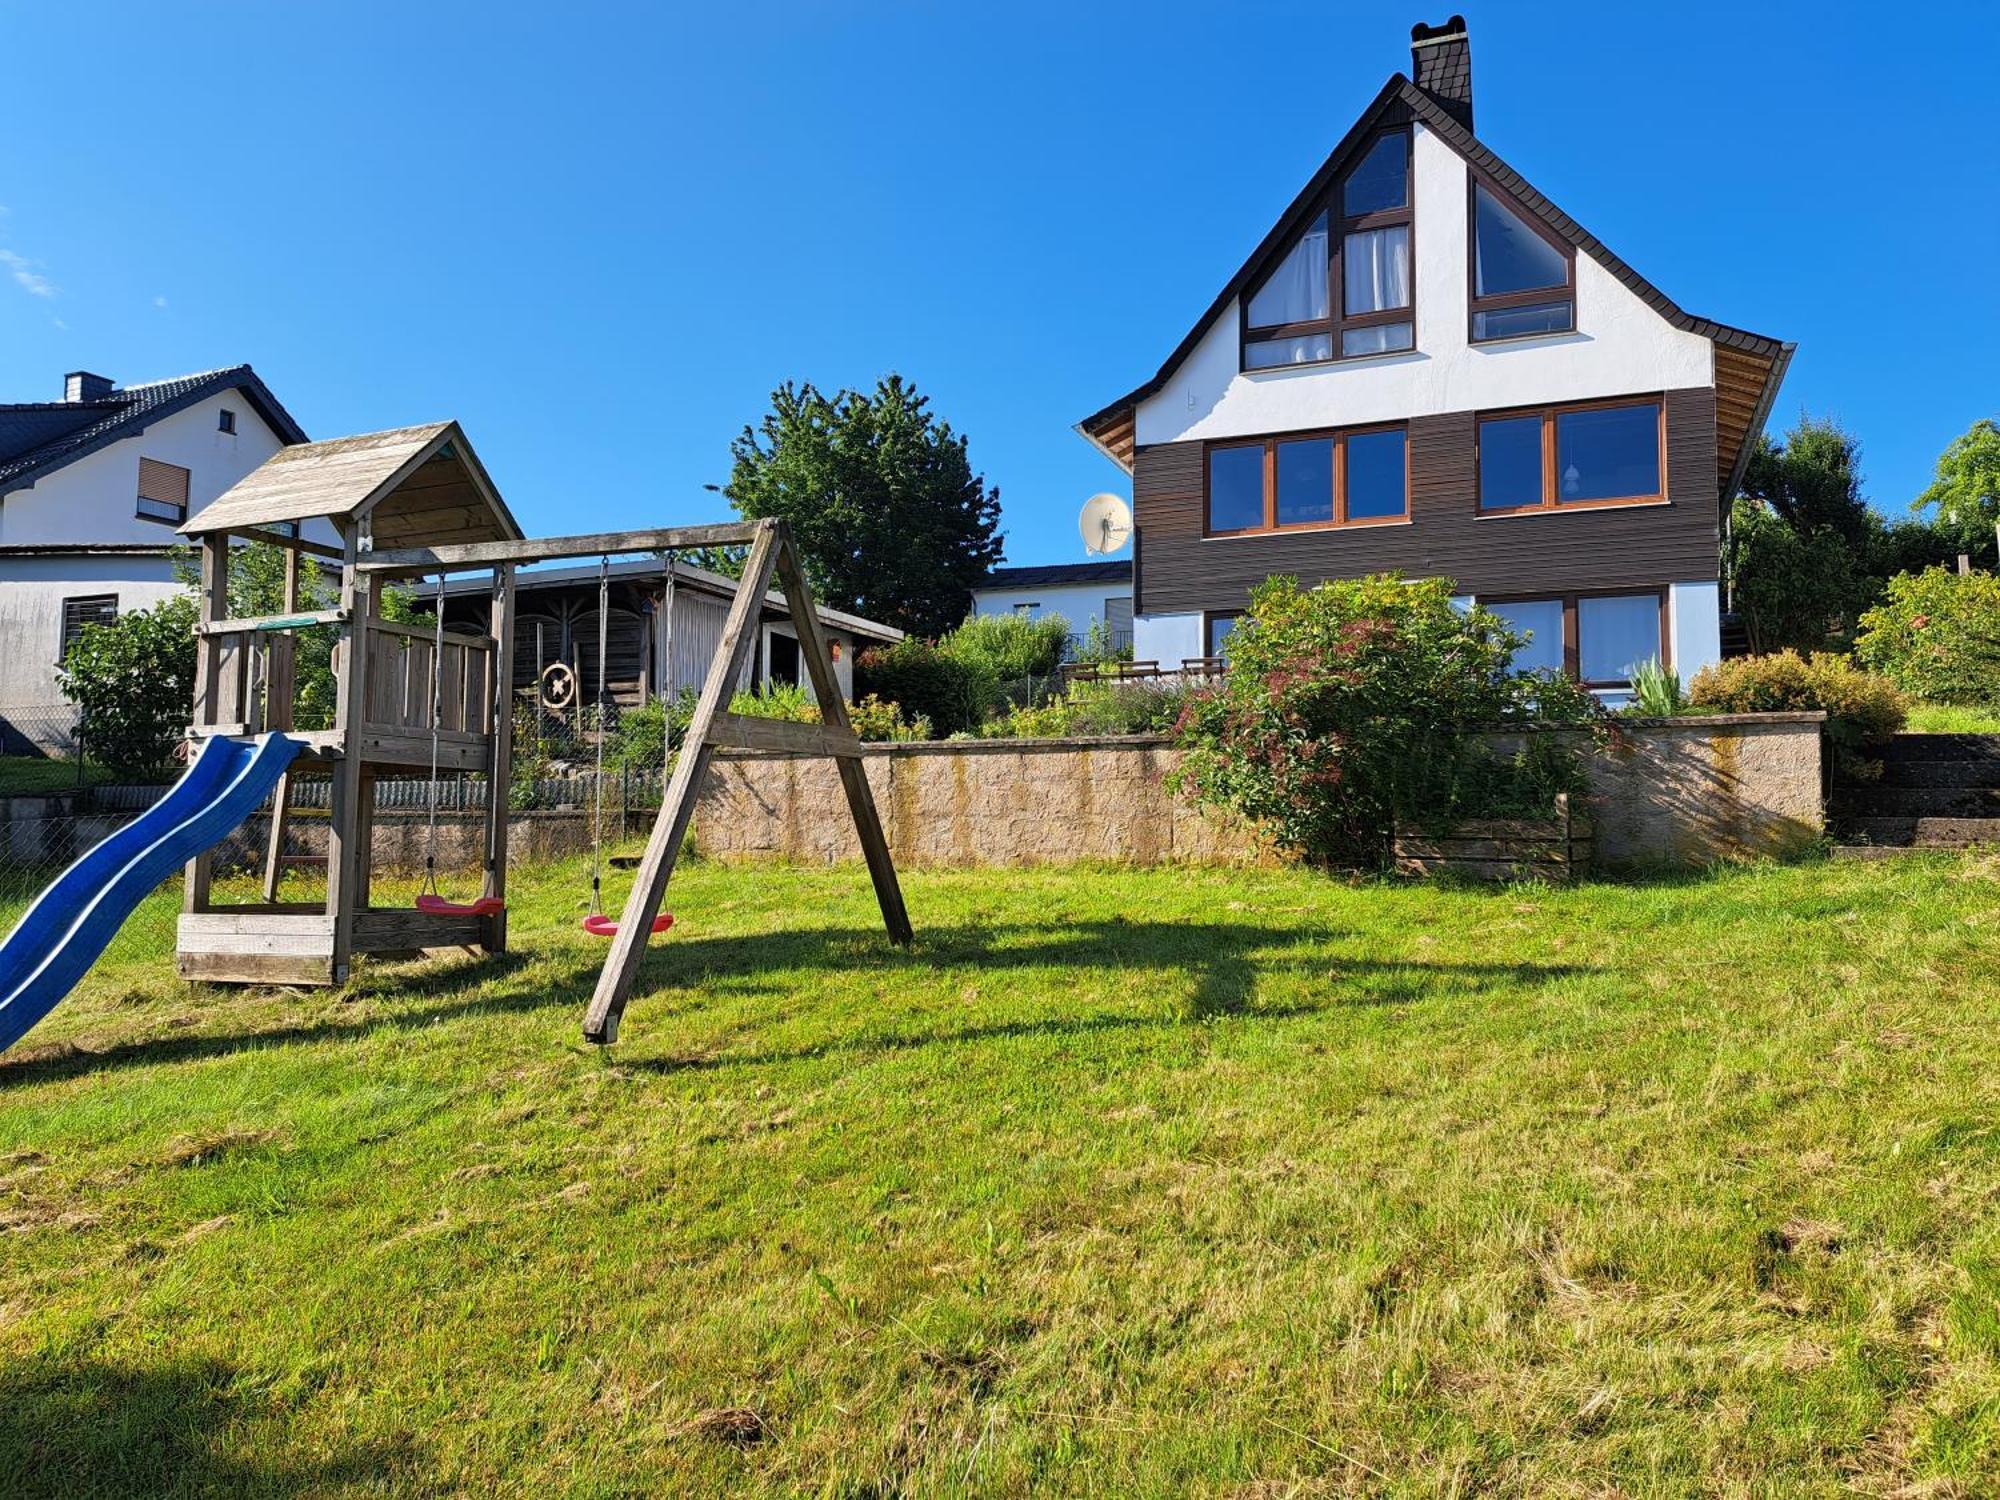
x=1219, y=967
x=71, y=1429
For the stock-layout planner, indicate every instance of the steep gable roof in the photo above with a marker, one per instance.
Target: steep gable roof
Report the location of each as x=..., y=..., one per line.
x=1756, y=363
x=414, y=486
x=39, y=437
x=1054, y=575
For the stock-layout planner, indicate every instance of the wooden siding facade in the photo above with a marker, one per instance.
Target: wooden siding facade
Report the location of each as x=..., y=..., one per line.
x=1177, y=569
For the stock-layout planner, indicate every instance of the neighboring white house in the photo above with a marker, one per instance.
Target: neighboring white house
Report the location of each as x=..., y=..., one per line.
x=91, y=489
x=1080, y=592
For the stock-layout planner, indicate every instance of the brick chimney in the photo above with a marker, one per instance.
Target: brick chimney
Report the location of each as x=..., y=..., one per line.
x=1441, y=64
x=81, y=385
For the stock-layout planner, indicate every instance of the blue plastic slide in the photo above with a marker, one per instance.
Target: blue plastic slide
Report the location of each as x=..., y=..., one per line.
x=72, y=921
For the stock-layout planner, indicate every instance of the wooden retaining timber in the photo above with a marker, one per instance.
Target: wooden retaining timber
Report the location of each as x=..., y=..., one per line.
x=1556, y=848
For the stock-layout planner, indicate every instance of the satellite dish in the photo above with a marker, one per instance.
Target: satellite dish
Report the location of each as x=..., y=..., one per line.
x=1106, y=523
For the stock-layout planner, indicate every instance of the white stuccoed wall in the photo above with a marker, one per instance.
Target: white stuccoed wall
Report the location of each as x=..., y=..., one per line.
x=1623, y=347
x=95, y=501
x=1694, y=626
x=1078, y=603
x=32, y=590
x=1166, y=639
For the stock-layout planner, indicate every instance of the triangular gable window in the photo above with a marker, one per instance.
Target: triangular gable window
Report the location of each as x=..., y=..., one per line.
x=1523, y=280
x=1342, y=288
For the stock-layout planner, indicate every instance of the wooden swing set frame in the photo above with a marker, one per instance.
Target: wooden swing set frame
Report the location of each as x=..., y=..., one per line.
x=462, y=721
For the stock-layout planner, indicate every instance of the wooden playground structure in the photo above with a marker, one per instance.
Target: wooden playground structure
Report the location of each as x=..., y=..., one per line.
x=406, y=505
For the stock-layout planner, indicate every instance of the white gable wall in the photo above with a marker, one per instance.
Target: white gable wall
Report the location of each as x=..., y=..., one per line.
x=1621, y=347
x=95, y=499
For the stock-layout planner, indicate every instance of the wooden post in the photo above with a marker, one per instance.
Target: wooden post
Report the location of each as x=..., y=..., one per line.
x=500, y=754
x=833, y=714
x=207, y=686
x=739, y=637
x=280, y=709
x=344, y=851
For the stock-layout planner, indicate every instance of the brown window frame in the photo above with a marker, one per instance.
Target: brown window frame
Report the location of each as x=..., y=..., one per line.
x=1503, y=301
x=1338, y=227
x=143, y=499
x=1550, y=415
x=1209, y=617
x=1572, y=646
x=1340, y=522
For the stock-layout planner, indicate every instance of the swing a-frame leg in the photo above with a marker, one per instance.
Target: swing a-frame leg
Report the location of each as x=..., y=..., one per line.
x=771, y=555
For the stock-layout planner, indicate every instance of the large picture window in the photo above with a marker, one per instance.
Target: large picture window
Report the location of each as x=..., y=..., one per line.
x=1523, y=281
x=1600, y=639
x=1610, y=453
x=1343, y=289
x=1359, y=478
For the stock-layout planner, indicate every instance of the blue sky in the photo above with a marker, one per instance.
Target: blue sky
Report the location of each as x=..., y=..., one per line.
x=598, y=235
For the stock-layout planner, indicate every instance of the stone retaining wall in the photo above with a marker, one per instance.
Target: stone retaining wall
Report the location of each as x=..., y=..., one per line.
x=1681, y=792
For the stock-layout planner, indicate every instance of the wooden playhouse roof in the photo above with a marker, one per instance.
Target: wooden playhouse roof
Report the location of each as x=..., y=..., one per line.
x=414, y=486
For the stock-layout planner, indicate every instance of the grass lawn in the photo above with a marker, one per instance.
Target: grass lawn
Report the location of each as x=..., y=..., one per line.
x=22, y=775
x=1238, y=1184
x=1945, y=718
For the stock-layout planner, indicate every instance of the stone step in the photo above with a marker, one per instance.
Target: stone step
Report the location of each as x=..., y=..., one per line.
x=1958, y=747
x=1886, y=800
x=1918, y=832
x=1882, y=851
x=1976, y=773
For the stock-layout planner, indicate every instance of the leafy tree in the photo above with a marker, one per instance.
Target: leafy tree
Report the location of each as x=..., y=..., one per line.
x=1965, y=496
x=133, y=681
x=1792, y=589
x=890, y=520
x=1812, y=480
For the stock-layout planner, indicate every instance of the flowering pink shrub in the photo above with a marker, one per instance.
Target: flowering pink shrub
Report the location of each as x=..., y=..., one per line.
x=1358, y=704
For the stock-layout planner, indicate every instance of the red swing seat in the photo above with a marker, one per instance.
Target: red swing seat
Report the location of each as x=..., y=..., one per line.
x=437, y=906
x=601, y=926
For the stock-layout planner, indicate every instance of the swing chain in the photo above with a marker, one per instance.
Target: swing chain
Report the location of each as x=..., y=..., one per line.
x=597, y=810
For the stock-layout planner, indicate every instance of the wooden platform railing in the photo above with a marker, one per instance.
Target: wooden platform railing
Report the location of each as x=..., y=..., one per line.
x=398, y=679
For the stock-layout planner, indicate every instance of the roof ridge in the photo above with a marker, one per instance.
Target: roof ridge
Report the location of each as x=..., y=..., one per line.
x=146, y=385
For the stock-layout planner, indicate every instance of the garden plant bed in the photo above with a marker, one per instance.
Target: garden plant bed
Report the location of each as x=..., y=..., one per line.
x=1185, y=1181
x=1555, y=848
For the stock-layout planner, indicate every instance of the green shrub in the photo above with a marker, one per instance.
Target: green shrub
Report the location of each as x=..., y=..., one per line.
x=876, y=718
x=1656, y=691
x=1010, y=645
x=133, y=683
x=953, y=694
x=1936, y=635
x=1862, y=709
x=776, y=700
x=1094, y=708
x=1097, y=648
x=637, y=741
x=1361, y=704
